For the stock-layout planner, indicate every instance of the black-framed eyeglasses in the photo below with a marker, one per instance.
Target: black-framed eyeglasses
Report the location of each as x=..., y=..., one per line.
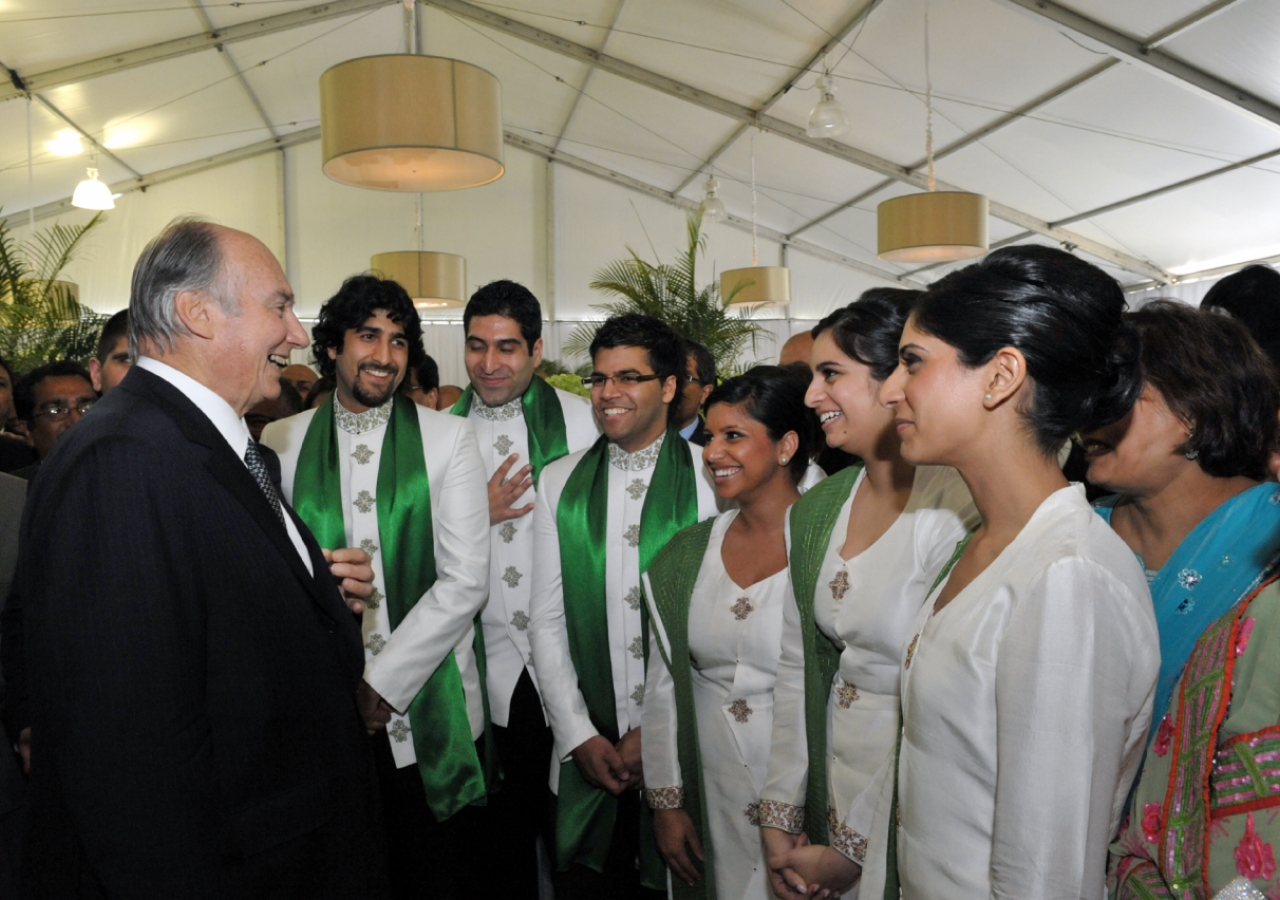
x=58, y=413
x=626, y=379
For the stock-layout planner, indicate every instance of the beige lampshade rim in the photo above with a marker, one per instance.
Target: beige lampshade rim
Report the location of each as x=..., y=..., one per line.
x=452, y=59
x=445, y=147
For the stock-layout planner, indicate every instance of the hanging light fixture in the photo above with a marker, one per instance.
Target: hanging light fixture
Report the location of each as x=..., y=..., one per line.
x=92, y=193
x=433, y=280
x=938, y=226
x=712, y=206
x=828, y=118
x=756, y=285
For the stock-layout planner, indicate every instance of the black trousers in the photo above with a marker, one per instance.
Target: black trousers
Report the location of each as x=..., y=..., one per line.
x=428, y=860
x=518, y=811
x=620, y=879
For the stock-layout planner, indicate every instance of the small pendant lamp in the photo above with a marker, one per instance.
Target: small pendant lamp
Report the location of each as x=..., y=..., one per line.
x=92, y=193
x=433, y=280
x=755, y=286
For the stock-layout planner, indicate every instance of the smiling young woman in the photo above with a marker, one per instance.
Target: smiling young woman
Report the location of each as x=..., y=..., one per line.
x=716, y=594
x=1028, y=681
x=865, y=546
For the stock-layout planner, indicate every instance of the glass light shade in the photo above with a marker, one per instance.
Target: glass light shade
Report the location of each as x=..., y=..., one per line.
x=92, y=194
x=433, y=280
x=756, y=286
x=828, y=118
x=713, y=210
x=411, y=123
x=939, y=226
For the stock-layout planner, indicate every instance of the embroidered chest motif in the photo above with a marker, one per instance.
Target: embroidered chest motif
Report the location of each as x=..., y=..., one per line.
x=633, y=598
x=375, y=599
x=740, y=711
x=637, y=488
x=911, y=650
x=503, y=444
x=742, y=608
x=364, y=501
x=632, y=536
x=520, y=621
x=511, y=577
x=375, y=643
x=359, y=423
x=846, y=694
x=399, y=731
x=839, y=585
x=369, y=547
x=637, y=648
x=637, y=696
x=503, y=413
x=1188, y=578
x=507, y=532
x=362, y=454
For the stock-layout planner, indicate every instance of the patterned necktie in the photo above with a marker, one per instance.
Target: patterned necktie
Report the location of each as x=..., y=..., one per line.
x=253, y=459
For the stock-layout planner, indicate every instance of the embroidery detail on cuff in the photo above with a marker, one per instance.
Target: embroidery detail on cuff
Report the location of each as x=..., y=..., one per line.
x=362, y=454
x=776, y=814
x=752, y=812
x=845, y=839
x=507, y=532
x=664, y=798
x=740, y=711
x=502, y=445
x=364, y=501
x=399, y=731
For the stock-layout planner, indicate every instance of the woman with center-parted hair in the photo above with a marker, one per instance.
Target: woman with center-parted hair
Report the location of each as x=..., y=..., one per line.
x=1027, y=684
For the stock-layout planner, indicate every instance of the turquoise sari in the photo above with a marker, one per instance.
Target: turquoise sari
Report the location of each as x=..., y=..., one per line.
x=1223, y=559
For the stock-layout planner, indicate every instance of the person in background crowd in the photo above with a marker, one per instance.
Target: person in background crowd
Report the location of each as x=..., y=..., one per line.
x=1188, y=463
x=302, y=378
x=796, y=349
x=289, y=403
x=371, y=468
x=600, y=517
x=449, y=394
x=111, y=363
x=15, y=451
x=422, y=383
x=1251, y=297
x=1027, y=686
x=522, y=424
x=865, y=547
x=50, y=399
x=13, y=787
x=715, y=595
x=224, y=760
x=320, y=391
x=701, y=379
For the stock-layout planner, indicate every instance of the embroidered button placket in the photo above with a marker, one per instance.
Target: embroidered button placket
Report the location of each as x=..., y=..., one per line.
x=503, y=413
x=359, y=423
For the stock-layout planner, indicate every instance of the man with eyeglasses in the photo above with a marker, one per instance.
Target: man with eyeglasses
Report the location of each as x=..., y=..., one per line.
x=600, y=517
x=50, y=399
x=702, y=379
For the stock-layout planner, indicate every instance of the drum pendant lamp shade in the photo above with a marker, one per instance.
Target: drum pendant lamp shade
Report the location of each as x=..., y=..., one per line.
x=757, y=286
x=433, y=280
x=405, y=122
x=938, y=226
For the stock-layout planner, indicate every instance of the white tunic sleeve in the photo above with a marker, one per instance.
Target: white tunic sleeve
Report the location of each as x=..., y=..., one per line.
x=659, y=750
x=1064, y=739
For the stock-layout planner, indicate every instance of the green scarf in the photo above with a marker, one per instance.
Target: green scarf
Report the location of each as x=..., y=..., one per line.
x=813, y=519
x=450, y=768
x=585, y=814
x=543, y=417
x=672, y=577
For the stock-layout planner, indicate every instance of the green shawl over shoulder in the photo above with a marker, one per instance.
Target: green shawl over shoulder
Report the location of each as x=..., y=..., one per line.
x=672, y=576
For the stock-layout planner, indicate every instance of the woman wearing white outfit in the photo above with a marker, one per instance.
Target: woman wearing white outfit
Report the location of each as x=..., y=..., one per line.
x=715, y=595
x=1027, y=684
x=865, y=546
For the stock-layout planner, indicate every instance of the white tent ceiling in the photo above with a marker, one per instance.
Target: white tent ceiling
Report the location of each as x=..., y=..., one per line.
x=1146, y=133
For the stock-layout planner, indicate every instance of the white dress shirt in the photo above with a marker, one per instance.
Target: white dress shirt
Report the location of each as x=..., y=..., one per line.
x=229, y=425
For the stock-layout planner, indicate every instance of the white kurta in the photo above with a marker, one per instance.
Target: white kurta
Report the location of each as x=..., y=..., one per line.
x=1027, y=700
x=628, y=484
x=398, y=663
x=866, y=606
x=500, y=432
x=734, y=643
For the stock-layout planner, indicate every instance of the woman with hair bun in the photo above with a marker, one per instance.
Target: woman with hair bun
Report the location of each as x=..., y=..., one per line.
x=715, y=596
x=864, y=546
x=1027, y=682
x=1188, y=464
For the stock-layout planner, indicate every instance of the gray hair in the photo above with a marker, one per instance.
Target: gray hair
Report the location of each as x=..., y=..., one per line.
x=186, y=256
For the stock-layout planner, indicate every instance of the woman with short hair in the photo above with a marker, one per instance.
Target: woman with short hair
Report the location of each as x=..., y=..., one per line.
x=1188, y=465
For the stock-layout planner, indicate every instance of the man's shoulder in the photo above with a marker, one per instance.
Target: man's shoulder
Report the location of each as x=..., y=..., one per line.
x=556, y=473
x=285, y=435
x=579, y=420
x=437, y=424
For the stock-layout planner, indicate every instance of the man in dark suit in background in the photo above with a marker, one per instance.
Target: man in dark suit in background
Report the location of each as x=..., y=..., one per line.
x=192, y=671
x=688, y=407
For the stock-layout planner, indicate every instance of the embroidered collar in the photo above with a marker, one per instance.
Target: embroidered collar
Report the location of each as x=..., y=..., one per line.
x=638, y=461
x=359, y=423
x=508, y=410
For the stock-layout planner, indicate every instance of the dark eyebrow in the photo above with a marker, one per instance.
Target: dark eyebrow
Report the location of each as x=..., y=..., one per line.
x=905, y=347
x=825, y=362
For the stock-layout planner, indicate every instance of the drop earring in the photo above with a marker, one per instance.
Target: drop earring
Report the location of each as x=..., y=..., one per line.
x=1194, y=452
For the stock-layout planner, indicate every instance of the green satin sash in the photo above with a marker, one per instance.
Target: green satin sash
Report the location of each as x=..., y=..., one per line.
x=543, y=417
x=450, y=768
x=813, y=518
x=673, y=576
x=585, y=814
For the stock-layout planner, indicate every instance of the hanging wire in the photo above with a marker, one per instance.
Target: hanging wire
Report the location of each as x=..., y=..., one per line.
x=928, y=103
x=754, y=257
x=31, y=175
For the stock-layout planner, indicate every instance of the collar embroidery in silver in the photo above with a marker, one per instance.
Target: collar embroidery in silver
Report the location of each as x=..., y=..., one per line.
x=359, y=423
x=508, y=410
x=638, y=461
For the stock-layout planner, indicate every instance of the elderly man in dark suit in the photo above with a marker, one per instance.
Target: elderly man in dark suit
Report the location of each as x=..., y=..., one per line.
x=193, y=669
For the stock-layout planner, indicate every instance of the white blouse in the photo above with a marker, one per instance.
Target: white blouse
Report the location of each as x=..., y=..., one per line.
x=734, y=643
x=1026, y=701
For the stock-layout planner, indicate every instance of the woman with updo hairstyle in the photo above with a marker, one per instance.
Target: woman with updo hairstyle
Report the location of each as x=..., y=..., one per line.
x=1188, y=465
x=1028, y=676
x=715, y=596
x=864, y=547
